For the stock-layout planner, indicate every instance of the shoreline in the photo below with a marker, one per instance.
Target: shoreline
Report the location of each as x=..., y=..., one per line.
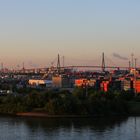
x=45, y=115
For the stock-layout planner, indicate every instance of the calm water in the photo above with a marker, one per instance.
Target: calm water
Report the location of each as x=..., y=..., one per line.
x=12, y=128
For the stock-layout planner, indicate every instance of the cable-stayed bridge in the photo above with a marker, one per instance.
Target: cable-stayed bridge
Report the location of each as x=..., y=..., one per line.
x=56, y=65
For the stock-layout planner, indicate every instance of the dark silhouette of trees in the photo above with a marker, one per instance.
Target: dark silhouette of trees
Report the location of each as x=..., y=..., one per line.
x=67, y=103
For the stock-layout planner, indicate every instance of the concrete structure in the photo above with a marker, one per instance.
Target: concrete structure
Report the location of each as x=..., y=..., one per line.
x=38, y=82
x=57, y=81
x=62, y=81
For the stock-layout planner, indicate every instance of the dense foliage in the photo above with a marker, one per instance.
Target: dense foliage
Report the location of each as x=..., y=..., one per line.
x=79, y=102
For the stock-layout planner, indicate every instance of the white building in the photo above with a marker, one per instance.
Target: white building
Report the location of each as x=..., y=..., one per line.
x=39, y=82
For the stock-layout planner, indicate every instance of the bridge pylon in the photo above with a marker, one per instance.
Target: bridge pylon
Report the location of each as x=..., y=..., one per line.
x=103, y=62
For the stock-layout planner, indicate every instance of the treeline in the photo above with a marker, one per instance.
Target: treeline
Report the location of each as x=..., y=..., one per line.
x=79, y=102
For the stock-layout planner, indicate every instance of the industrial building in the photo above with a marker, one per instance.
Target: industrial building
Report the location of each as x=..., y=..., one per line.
x=38, y=82
x=127, y=84
x=136, y=85
x=104, y=86
x=62, y=81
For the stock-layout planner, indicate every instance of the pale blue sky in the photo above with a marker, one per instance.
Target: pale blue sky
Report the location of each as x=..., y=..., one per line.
x=36, y=30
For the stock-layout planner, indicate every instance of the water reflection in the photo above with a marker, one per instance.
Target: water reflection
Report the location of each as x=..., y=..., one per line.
x=98, y=124
x=61, y=128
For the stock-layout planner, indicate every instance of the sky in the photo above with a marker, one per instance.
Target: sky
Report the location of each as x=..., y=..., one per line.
x=35, y=31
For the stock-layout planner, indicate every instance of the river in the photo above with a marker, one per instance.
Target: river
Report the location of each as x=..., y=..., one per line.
x=117, y=128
